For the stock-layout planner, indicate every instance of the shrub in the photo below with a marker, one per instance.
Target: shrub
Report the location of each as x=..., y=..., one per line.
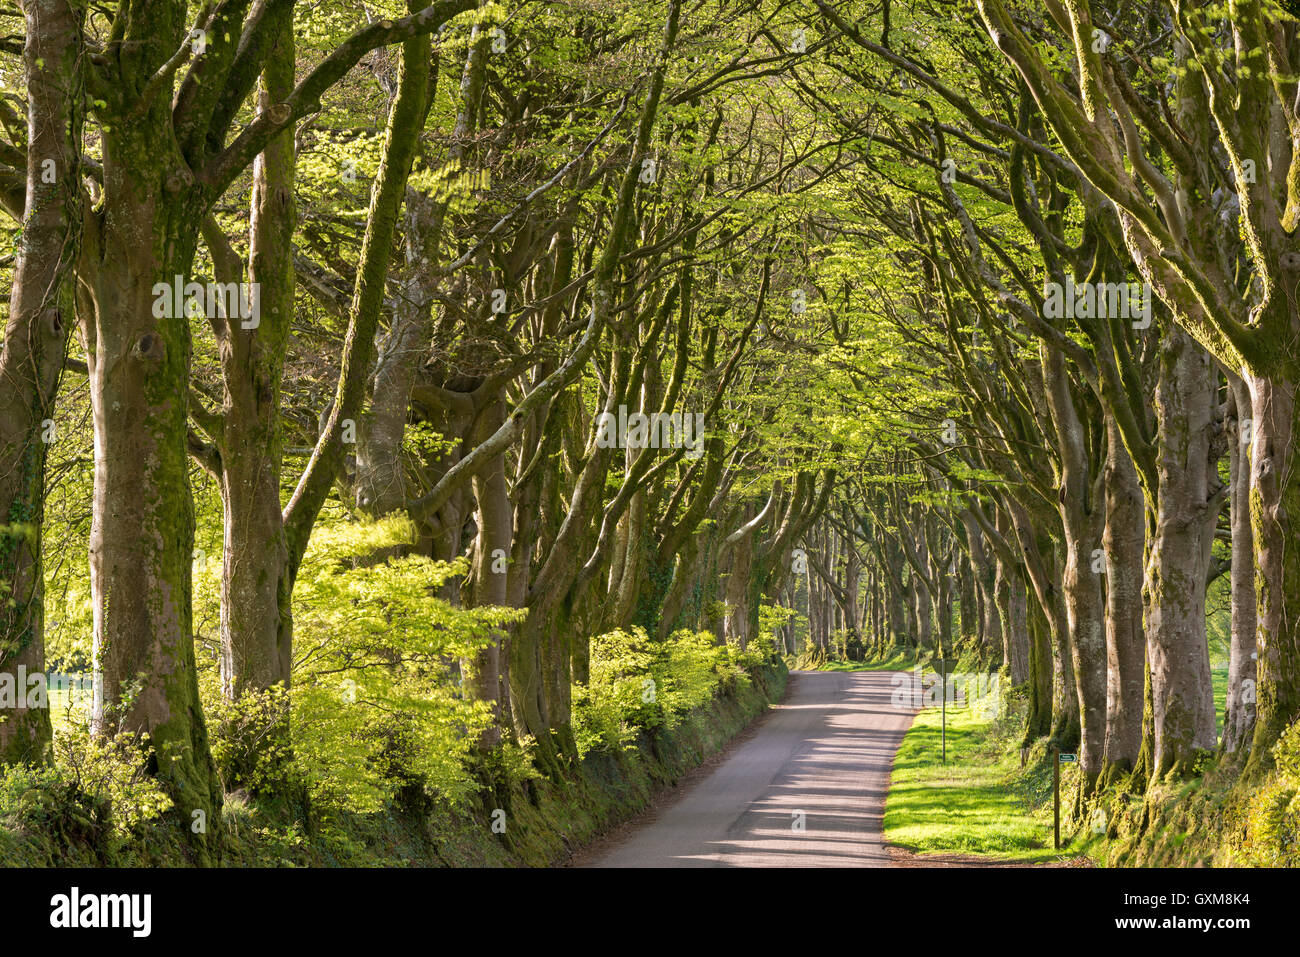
x=1273, y=814
x=375, y=710
x=95, y=795
x=636, y=684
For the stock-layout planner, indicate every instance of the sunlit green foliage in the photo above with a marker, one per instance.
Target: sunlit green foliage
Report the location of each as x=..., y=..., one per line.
x=641, y=685
x=375, y=704
x=1273, y=817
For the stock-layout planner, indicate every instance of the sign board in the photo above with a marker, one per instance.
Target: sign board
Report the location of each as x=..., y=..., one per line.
x=1069, y=758
x=944, y=666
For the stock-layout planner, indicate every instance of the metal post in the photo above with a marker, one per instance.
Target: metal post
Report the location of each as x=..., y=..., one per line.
x=944, y=719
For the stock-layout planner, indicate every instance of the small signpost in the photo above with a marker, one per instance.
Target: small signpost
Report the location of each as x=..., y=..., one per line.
x=944, y=667
x=1056, y=794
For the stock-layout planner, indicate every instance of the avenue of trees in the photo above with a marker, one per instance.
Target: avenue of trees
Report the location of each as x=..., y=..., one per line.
x=387, y=379
x=1092, y=225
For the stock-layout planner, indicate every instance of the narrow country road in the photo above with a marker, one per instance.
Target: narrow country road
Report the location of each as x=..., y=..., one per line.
x=825, y=752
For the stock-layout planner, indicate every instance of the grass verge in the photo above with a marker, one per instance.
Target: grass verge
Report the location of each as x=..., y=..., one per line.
x=980, y=802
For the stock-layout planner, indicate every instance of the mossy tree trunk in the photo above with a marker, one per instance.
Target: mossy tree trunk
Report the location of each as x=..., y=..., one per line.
x=1275, y=520
x=1239, y=706
x=41, y=316
x=256, y=615
x=1123, y=541
x=1188, y=450
x=1082, y=506
x=142, y=533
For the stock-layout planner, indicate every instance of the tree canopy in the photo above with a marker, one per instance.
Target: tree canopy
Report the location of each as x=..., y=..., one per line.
x=401, y=402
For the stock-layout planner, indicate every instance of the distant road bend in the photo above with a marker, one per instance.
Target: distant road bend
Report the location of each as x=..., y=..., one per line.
x=825, y=751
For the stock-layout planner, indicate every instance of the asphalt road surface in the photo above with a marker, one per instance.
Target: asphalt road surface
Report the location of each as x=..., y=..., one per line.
x=806, y=790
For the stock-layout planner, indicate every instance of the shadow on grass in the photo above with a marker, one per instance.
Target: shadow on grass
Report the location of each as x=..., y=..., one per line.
x=968, y=805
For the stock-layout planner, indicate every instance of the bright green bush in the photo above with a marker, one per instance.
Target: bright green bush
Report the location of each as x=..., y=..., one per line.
x=375, y=708
x=96, y=793
x=636, y=684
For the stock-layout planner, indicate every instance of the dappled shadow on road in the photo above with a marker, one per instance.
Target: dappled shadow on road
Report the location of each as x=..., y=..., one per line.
x=807, y=790
x=824, y=805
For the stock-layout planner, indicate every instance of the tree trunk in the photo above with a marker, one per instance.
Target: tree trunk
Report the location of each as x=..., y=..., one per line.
x=943, y=605
x=1275, y=519
x=852, y=586
x=1065, y=693
x=491, y=571
x=1239, y=708
x=967, y=608
x=923, y=614
x=896, y=608
x=736, y=624
x=1010, y=601
x=380, y=485
x=142, y=532
x=256, y=592
x=1038, y=720
x=1083, y=518
x=41, y=314
x=1178, y=564
x=1124, y=543
x=1085, y=608
x=380, y=482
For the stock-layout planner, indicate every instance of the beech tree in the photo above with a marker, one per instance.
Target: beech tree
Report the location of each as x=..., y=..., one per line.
x=510, y=352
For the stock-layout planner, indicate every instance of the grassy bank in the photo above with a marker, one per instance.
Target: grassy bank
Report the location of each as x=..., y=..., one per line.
x=533, y=823
x=984, y=802
x=980, y=801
